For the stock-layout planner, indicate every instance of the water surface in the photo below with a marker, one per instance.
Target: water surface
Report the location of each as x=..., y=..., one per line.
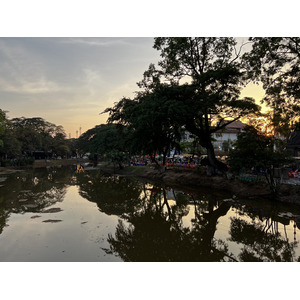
x=54, y=214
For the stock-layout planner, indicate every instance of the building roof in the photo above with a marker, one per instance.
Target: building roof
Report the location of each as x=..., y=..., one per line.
x=234, y=127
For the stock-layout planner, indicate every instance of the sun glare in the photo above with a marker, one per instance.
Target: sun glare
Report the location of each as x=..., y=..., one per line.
x=263, y=124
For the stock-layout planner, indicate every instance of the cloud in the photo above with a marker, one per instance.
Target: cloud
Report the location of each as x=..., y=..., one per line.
x=71, y=77
x=23, y=86
x=99, y=42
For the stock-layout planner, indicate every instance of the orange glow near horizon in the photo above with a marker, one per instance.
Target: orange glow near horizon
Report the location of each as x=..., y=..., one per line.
x=262, y=123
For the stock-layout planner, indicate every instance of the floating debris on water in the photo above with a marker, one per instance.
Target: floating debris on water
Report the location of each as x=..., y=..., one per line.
x=227, y=200
x=34, y=217
x=52, y=221
x=30, y=206
x=23, y=200
x=52, y=210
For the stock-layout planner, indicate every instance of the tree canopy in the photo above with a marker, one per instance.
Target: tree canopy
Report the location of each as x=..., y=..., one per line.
x=107, y=140
x=152, y=119
x=256, y=150
x=207, y=75
x=275, y=61
x=24, y=136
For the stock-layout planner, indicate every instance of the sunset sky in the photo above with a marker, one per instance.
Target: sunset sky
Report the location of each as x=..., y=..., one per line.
x=69, y=81
x=66, y=76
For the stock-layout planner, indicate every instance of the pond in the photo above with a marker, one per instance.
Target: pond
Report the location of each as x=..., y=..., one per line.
x=55, y=214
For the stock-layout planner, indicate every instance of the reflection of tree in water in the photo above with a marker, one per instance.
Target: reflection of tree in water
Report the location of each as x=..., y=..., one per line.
x=156, y=232
x=261, y=244
x=3, y=217
x=113, y=195
x=152, y=228
x=34, y=189
x=260, y=235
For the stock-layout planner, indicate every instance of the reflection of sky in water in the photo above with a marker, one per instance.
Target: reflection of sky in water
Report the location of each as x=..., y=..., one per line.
x=79, y=236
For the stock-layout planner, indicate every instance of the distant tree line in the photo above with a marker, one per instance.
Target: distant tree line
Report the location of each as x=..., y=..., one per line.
x=105, y=142
x=24, y=139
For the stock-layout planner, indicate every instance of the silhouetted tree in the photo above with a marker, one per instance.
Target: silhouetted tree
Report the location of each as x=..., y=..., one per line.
x=253, y=149
x=107, y=140
x=275, y=61
x=208, y=75
x=150, y=120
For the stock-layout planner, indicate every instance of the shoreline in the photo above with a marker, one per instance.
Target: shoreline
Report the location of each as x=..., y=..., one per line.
x=40, y=164
x=192, y=179
x=186, y=178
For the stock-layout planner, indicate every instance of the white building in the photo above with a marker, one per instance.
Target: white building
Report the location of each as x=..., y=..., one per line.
x=229, y=133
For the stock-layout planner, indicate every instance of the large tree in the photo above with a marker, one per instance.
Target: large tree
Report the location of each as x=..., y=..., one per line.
x=207, y=73
x=275, y=61
x=150, y=119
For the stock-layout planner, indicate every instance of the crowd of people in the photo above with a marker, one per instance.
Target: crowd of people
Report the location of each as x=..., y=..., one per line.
x=193, y=162
x=182, y=161
x=294, y=173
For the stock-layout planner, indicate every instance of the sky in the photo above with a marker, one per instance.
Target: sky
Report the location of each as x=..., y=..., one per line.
x=67, y=64
x=70, y=81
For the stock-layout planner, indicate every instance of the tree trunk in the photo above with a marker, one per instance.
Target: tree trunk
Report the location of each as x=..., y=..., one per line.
x=218, y=165
x=273, y=183
x=205, y=141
